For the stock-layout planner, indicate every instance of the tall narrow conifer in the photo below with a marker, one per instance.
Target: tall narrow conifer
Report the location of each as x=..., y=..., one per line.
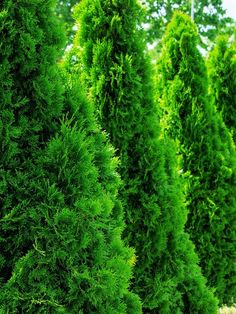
x=31, y=102
x=118, y=76
x=222, y=74
x=61, y=223
x=208, y=153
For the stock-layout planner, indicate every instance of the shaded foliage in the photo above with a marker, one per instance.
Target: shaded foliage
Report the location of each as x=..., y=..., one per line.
x=222, y=74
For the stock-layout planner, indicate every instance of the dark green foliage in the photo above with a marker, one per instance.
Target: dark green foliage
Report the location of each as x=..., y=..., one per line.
x=118, y=73
x=209, y=156
x=222, y=74
x=61, y=222
x=31, y=101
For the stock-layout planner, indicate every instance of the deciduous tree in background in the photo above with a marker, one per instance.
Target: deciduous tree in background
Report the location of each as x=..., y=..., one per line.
x=209, y=16
x=222, y=74
x=64, y=10
x=118, y=76
x=190, y=117
x=60, y=223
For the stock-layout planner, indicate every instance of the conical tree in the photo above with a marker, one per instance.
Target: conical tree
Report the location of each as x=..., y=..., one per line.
x=222, y=74
x=207, y=150
x=61, y=248
x=118, y=77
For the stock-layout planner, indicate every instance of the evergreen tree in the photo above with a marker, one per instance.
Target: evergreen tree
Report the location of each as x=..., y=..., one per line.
x=208, y=153
x=222, y=74
x=167, y=277
x=31, y=103
x=61, y=222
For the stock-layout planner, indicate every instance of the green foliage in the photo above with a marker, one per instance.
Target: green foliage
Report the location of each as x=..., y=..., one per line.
x=209, y=156
x=64, y=11
x=31, y=102
x=77, y=260
x=61, y=222
x=209, y=15
x=166, y=276
x=222, y=74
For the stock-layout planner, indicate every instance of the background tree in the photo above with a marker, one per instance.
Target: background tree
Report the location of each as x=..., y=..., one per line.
x=209, y=16
x=60, y=223
x=222, y=74
x=208, y=153
x=118, y=75
x=64, y=10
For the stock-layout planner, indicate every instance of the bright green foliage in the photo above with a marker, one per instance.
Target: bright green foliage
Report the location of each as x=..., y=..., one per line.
x=208, y=153
x=166, y=276
x=222, y=74
x=61, y=222
x=77, y=263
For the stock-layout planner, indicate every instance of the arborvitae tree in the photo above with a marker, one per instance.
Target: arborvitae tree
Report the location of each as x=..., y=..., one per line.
x=222, y=74
x=118, y=73
x=61, y=222
x=208, y=153
x=31, y=102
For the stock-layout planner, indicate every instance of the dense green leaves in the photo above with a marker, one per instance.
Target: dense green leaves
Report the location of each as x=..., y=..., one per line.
x=222, y=73
x=61, y=222
x=62, y=229
x=118, y=76
x=209, y=157
x=31, y=103
x=77, y=260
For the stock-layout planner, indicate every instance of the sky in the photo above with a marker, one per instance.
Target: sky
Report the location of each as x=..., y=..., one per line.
x=230, y=6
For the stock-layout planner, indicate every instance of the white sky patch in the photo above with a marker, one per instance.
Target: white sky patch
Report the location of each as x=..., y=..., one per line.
x=230, y=7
